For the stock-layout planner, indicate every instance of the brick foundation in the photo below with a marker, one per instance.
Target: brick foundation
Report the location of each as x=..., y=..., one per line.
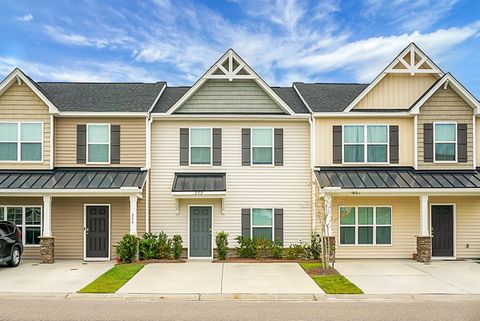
x=424, y=249
x=47, y=249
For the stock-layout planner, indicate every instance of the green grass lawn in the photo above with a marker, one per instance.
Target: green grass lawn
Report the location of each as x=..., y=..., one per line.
x=336, y=284
x=113, y=279
x=310, y=265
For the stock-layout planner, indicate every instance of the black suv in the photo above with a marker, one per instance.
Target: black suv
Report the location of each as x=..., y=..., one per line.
x=11, y=247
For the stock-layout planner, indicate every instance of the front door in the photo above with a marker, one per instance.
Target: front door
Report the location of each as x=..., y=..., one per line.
x=97, y=232
x=442, y=230
x=200, y=231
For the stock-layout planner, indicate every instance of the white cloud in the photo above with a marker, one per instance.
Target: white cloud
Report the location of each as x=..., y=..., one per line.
x=25, y=18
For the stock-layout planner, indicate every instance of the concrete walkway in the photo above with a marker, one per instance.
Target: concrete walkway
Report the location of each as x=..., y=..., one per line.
x=410, y=277
x=219, y=278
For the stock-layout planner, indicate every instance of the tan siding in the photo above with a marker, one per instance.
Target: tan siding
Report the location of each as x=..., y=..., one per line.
x=220, y=96
x=445, y=105
x=20, y=103
x=396, y=91
x=141, y=215
x=324, y=139
x=132, y=140
x=284, y=187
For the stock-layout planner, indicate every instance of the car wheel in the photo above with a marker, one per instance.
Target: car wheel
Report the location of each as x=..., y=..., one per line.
x=16, y=257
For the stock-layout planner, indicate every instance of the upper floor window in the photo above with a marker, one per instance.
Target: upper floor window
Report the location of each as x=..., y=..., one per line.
x=200, y=146
x=98, y=143
x=262, y=146
x=21, y=142
x=445, y=142
x=365, y=144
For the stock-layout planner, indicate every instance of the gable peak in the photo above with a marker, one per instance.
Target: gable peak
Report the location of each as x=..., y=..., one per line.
x=412, y=60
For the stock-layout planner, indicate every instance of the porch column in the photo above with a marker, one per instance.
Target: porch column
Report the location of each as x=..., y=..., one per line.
x=424, y=240
x=47, y=241
x=47, y=216
x=133, y=215
x=424, y=230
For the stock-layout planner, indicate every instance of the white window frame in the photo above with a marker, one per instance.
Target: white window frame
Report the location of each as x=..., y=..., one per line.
x=23, y=226
x=445, y=142
x=272, y=147
x=356, y=226
x=109, y=142
x=365, y=144
x=19, y=142
x=262, y=226
x=190, y=146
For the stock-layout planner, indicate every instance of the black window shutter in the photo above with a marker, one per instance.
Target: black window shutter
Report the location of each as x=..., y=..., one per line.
x=184, y=146
x=278, y=232
x=393, y=144
x=245, y=146
x=246, y=222
x=115, y=144
x=278, y=146
x=337, y=144
x=428, y=142
x=217, y=147
x=81, y=144
x=462, y=143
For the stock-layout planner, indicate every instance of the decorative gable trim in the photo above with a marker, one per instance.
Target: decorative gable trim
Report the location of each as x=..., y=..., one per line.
x=230, y=66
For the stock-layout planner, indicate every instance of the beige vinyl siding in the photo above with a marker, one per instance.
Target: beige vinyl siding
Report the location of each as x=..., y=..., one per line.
x=284, y=187
x=445, y=105
x=20, y=103
x=324, y=137
x=396, y=91
x=132, y=141
x=223, y=96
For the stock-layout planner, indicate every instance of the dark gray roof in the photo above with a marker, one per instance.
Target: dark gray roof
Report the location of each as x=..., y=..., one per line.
x=199, y=182
x=323, y=97
x=70, y=178
x=290, y=96
x=101, y=97
x=168, y=98
x=395, y=177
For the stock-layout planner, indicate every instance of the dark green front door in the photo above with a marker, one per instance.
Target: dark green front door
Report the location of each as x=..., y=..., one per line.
x=200, y=231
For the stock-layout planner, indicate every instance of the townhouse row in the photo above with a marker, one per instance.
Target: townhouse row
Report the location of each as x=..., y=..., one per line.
x=389, y=169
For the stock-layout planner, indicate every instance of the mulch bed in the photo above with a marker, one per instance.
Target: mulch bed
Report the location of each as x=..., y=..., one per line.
x=331, y=271
x=267, y=260
x=145, y=262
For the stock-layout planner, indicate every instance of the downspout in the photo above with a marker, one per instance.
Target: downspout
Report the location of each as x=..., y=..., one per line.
x=311, y=121
x=148, y=124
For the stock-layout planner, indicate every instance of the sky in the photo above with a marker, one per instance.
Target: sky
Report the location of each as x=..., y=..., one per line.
x=283, y=40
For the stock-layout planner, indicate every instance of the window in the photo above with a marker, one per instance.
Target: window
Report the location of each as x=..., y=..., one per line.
x=98, y=143
x=445, y=142
x=262, y=223
x=21, y=142
x=262, y=146
x=366, y=225
x=27, y=218
x=365, y=144
x=200, y=146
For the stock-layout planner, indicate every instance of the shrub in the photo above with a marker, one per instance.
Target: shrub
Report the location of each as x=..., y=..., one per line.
x=263, y=248
x=221, y=239
x=127, y=248
x=246, y=247
x=276, y=249
x=316, y=246
x=164, y=249
x=148, y=246
x=177, y=247
x=295, y=252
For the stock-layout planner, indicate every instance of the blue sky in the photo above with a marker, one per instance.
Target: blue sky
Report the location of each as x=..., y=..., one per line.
x=283, y=40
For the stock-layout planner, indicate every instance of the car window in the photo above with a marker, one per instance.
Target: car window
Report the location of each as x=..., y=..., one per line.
x=3, y=230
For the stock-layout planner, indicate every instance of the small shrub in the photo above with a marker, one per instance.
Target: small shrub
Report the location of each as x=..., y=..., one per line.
x=295, y=252
x=177, y=247
x=263, y=248
x=127, y=248
x=246, y=247
x=221, y=239
x=316, y=246
x=276, y=249
x=164, y=249
x=148, y=245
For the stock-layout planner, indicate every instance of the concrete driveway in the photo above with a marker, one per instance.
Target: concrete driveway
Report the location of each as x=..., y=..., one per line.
x=205, y=277
x=59, y=277
x=410, y=277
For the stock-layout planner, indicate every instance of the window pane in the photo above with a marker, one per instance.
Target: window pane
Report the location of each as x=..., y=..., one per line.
x=444, y=152
x=31, y=151
x=377, y=153
x=201, y=136
x=365, y=215
x=384, y=235
x=98, y=153
x=365, y=235
x=262, y=155
x=31, y=132
x=347, y=235
x=2, y=217
x=262, y=137
x=445, y=132
x=98, y=133
x=347, y=216
x=377, y=134
x=262, y=232
x=33, y=216
x=200, y=155
x=14, y=215
x=354, y=153
x=384, y=215
x=8, y=132
x=262, y=216
x=32, y=235
x=8, y=151
x=353, y=134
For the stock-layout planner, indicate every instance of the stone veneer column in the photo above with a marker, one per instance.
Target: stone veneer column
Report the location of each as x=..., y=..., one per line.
x=47, y=249
x=424, y=249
